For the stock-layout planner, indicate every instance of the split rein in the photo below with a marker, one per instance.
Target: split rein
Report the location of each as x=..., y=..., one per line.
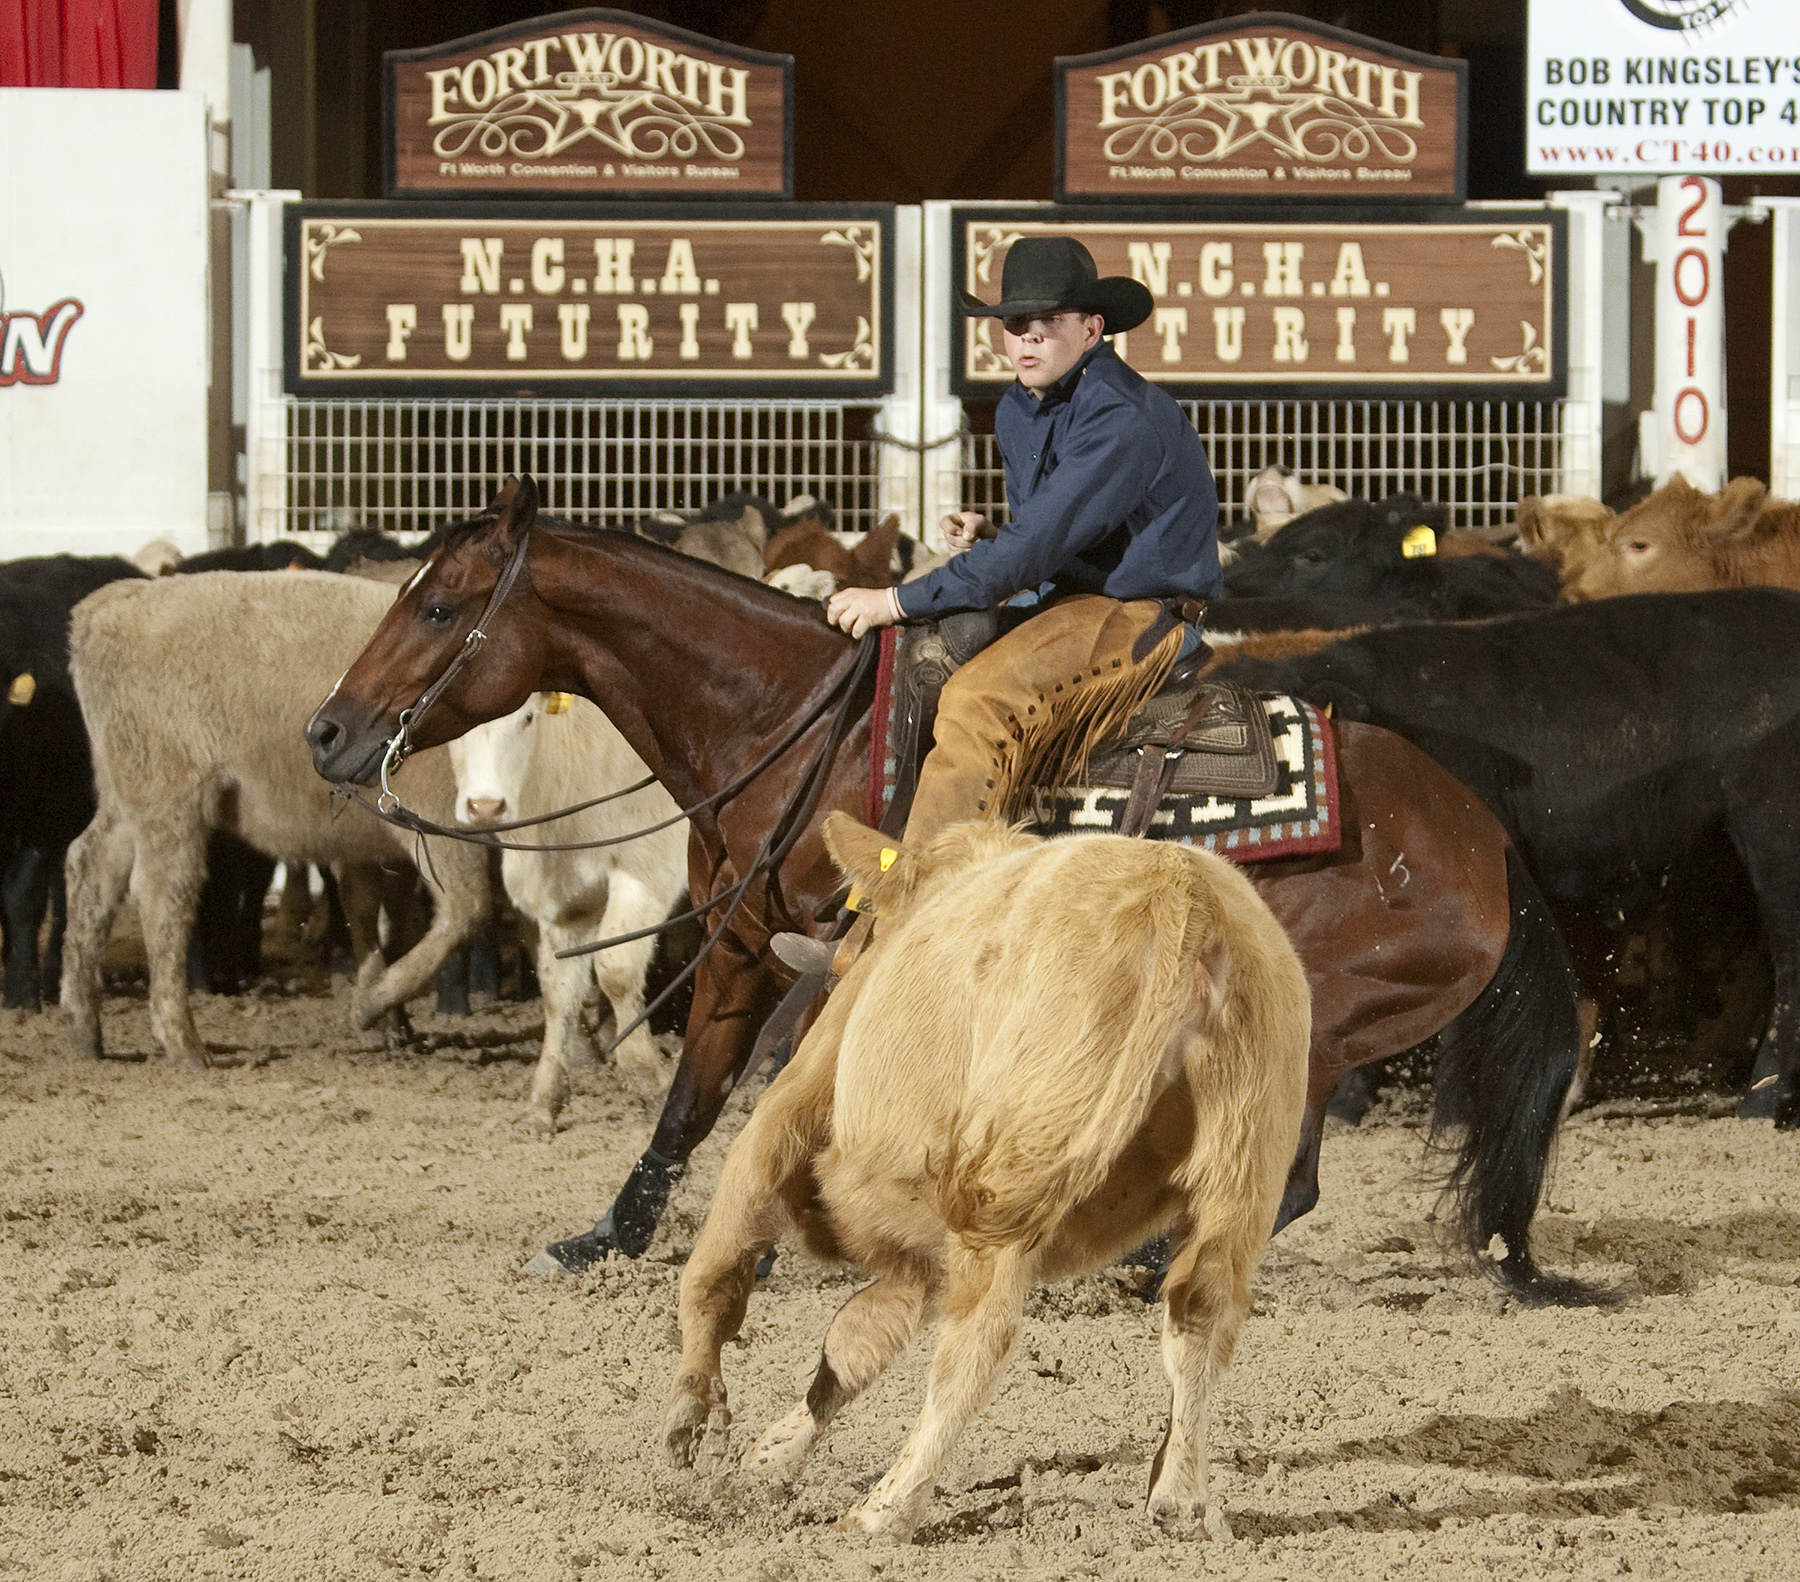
x=838, y=699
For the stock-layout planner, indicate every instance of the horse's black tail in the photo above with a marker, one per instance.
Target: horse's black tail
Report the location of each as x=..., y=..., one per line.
x=1504, y=1069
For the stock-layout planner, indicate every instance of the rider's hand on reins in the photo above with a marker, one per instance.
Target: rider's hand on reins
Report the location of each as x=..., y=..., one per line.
x=858, y=610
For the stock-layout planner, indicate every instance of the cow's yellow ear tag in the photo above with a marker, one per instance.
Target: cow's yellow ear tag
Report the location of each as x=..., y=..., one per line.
x=856, y=901
x=888, y=858
x=558, y=702
x=23, y=689
x=1419, y=542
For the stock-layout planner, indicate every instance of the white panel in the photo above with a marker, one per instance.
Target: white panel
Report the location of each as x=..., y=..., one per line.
x=1690, y=229
x=103, y=203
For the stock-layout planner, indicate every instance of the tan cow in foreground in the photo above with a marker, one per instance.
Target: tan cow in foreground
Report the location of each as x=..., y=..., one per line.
x=1682, y=540
x=1051, y=1051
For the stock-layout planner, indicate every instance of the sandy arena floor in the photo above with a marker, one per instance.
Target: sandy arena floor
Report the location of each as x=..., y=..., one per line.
x=269, y=1323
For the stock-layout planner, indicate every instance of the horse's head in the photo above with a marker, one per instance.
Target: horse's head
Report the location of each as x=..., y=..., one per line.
x=425, y=650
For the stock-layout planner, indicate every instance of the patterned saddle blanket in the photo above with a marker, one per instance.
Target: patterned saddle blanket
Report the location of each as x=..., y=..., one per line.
x=1254, y=777
x=1244, y=796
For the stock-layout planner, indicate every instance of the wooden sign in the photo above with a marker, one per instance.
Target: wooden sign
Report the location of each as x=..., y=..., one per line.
x=604, y=300
x=588, y=104
x=1454, y=303
x=1266, y=106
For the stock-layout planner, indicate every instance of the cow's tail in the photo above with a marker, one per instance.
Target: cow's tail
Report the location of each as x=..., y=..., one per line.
x=1047, y=1126
x=1504, y=1069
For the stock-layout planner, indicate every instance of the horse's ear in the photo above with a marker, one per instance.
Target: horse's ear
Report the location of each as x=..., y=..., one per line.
x=515, y=508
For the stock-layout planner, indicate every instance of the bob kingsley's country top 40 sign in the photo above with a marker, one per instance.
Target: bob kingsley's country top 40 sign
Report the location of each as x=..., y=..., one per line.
x=1449, y=303
x=604, y=299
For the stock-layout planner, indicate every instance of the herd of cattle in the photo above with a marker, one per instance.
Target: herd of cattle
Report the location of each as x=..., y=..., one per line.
x=1619, y=689
x=190, y=691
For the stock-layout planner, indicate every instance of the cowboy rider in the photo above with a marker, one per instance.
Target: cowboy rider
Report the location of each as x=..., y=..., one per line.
x=1114, y=516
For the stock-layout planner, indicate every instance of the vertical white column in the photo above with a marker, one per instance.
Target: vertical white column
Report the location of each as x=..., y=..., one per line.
x=1784, y=348
x=1688, y=426
x=1578, y=420
x=265, y=416
x=899, y=417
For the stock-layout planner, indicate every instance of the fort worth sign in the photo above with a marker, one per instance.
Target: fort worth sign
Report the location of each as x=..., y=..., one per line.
x=1456, y=302
x=605, y=299
x=1260, y=107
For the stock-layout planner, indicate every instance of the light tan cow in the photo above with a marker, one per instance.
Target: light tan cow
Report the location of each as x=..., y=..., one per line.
x=1683, y=540
x=1564, y=531
x=1275, y=497
x=1051, y=1051
x=196, y=692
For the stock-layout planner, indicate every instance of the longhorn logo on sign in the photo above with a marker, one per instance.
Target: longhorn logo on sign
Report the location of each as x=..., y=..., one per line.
x=31, y=344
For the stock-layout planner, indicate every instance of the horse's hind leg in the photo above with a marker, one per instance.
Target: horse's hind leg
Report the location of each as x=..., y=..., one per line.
x=98, y=868
x=983, y=1298
x=869, y=1331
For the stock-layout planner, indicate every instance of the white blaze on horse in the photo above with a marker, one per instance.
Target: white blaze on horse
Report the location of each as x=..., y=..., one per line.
x=1050, y=1051
x=552, y=753
x=195, y=690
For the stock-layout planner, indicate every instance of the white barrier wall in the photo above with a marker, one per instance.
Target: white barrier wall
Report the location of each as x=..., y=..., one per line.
x=1784, y=369
x=103, y=320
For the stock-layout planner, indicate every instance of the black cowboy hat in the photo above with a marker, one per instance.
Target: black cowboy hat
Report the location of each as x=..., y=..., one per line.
x=1052, y=274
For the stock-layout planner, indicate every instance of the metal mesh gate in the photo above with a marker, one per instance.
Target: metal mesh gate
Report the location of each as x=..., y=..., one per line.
x=1478, y=457
x=407, y=466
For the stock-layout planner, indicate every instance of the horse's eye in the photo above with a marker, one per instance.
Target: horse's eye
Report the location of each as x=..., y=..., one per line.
x=438, y=614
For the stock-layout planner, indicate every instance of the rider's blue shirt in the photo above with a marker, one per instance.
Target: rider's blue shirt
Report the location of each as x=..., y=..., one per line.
x=1109, y=492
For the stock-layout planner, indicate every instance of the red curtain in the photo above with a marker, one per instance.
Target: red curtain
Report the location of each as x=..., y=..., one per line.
x=78, y=43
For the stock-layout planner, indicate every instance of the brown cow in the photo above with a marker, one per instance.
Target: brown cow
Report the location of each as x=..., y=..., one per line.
x=1051, y=1051
x=1682, y=540
x=809, y=543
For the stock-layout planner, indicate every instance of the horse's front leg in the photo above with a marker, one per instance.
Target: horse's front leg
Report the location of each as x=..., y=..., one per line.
x=733, y=996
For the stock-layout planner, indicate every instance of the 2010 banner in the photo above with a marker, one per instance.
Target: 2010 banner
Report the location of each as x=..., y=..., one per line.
x=612, y=300
x=1445, y=303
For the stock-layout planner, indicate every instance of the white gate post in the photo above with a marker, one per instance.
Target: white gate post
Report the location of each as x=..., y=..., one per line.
x=1594, y=288
x=265, y=415
x=897, y=426
x=1784, y=348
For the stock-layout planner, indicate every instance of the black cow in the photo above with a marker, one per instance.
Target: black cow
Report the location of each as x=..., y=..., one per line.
x=282, y=555
x=46, y=775
x=1613, y=740
x=1351, y=558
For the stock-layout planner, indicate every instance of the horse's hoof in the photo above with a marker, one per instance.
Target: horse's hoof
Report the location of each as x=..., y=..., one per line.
x=1763, y=1100
x=579, y=1253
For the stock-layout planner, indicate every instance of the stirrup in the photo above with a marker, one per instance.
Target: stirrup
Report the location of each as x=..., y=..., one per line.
x=804, y=953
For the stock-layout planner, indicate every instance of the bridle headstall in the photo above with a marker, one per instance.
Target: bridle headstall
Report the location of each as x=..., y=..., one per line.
x=840, y=690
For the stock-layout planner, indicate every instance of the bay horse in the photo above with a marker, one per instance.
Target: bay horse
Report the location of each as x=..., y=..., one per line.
x=1424, y=922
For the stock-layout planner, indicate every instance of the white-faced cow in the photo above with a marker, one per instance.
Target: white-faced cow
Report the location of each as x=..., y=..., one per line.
x=554, y=752
x=1050, y=1051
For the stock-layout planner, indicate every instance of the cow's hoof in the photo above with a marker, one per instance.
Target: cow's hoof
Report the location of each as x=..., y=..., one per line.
x=697, y=1425
x=540, y=1123
x=783, y=1447
x=1172, y=1513
x=880, y=1517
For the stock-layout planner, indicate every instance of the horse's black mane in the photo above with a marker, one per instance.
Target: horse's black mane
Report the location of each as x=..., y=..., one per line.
x=453, y=535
